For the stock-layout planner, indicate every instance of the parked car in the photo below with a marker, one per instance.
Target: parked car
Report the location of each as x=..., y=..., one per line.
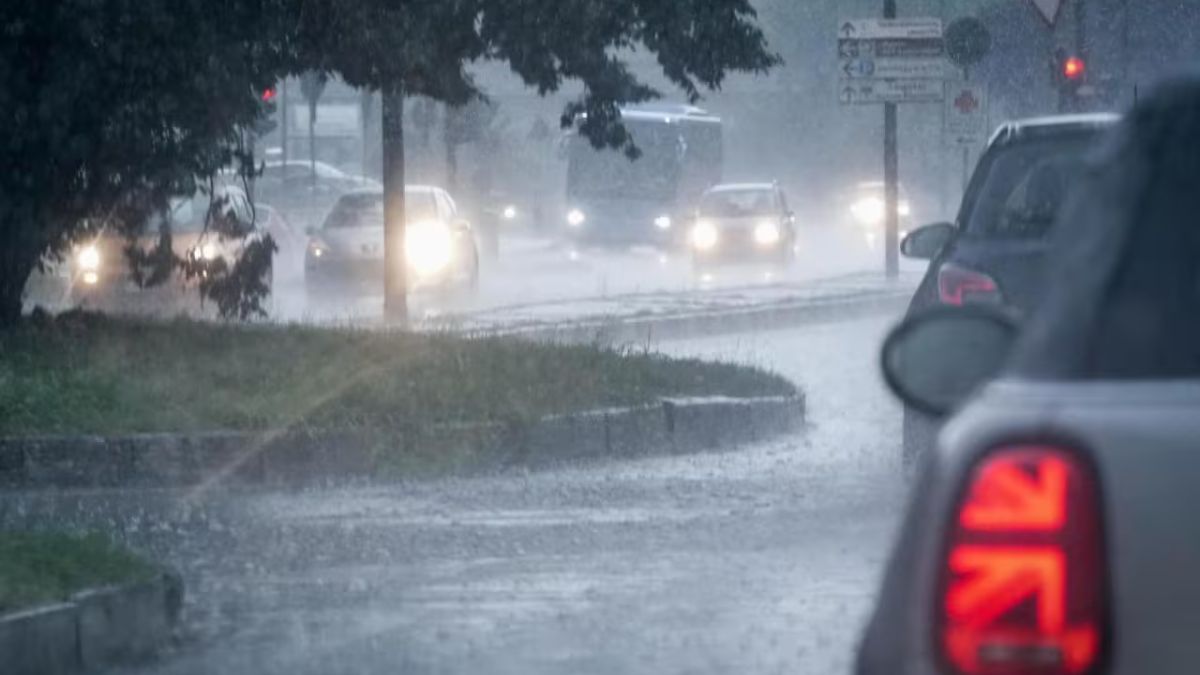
x=347, y=250
x=743, y=223
x=994, y=252
x=99, y=273
x=1052, y=530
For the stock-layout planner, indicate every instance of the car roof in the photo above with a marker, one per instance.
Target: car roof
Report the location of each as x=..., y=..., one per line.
x=408, y=189
x=1052, y=125
x=743, y=187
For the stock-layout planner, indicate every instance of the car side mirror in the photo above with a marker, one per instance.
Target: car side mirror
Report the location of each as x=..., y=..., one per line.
x=925, y=243
x=936, y=360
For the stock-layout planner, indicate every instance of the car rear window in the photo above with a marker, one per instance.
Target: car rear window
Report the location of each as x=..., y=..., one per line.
x=366, y=210
x=1025, y=185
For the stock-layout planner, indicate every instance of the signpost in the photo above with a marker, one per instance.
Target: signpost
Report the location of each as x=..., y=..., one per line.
x=965, y=120
x=889, y=61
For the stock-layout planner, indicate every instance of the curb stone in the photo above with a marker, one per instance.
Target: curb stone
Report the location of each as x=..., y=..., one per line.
x=96, y=629
x=642, y=330
x=305, y=458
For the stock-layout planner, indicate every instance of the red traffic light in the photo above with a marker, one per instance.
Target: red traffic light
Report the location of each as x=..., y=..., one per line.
x=268, y=95
x=1074, y=68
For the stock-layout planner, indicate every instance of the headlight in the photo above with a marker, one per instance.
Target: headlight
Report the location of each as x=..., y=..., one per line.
x=316, y=249
x=207, y=251
x=88, y=258
x=868, y=210
x=705, y=236
x=428, y=247
x=904, y=209
x=767, y=234
x=663, y=222
x=575, y=218
x=510, y=212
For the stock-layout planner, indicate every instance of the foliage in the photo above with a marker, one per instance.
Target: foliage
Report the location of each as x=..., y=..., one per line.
x=113, y=107
x=45, y=567
x=83, y=373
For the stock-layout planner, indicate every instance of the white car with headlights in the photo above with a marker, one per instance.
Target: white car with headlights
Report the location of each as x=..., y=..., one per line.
x=347, y=249
x=98, y=273
x=743, y=223
x=865, y=208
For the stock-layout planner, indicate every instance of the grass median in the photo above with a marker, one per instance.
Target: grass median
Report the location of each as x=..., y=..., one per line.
x=86, y=373
x=43, y=568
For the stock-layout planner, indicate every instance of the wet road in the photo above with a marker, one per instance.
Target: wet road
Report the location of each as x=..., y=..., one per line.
x=758, y=560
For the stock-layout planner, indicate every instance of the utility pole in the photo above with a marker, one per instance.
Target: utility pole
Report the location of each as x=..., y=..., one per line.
x=395, y=287
x=891, y=177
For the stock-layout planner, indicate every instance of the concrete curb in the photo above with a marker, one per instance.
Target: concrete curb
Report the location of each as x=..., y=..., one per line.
x=640, y=330
x=96, y=629
x=672, y=426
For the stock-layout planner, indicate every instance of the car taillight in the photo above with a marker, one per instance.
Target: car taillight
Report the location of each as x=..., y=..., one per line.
x=1023, y=582
x=959, y=285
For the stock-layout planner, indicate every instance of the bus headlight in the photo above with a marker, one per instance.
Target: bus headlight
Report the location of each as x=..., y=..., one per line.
x=428, y=247
x=705, y=236
x=767, y=234
x=88, y=258
x=575, y=218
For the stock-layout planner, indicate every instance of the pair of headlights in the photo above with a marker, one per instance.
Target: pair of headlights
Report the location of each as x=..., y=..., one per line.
x=706, y=236
x=576, y=218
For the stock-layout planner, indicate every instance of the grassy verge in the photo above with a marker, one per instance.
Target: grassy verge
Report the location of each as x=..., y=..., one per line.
x=83, y=373
x=43, y=568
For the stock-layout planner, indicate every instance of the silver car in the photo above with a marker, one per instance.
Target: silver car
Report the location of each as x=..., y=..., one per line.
x=1053, y=529
x=440, y=247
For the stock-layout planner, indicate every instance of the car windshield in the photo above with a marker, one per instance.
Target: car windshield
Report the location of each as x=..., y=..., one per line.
x=739, y=203
x=1025, y=186
x=366, y=210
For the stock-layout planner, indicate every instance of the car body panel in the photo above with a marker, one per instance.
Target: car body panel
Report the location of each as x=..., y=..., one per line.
x=1141, y=436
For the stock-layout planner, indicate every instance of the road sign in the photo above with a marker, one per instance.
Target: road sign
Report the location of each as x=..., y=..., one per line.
x=894, y=90
x=966, y=113
x=852, y=69
x=895, y=29
x=890, y=60
x=1048, y=9
x=925, y=48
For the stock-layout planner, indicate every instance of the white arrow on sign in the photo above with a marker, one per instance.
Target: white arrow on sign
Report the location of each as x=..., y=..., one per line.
x=1048, y=9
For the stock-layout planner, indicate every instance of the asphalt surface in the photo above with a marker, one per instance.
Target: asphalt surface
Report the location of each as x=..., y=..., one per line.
x=544, y=271
x=761, y=559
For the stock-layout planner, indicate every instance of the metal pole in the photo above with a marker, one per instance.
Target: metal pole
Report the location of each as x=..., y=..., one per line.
x=891, y=177
x=395, y=291
x=283, y=124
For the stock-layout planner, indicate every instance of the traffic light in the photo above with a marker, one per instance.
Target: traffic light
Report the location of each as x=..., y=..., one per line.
x=1070, y=77
x=268, y=95
x=1074, y=69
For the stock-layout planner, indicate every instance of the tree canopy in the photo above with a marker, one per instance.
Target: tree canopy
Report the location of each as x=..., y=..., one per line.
x=113, y=107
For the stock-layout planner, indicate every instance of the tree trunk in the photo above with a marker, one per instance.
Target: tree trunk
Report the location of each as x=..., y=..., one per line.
x=395, y=288
x=16, y=265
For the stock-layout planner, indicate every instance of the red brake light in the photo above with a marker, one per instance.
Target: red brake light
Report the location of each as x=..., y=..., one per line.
x=1074, y=68
x=959, y=285
x=1023, y=580
x=268, y=95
